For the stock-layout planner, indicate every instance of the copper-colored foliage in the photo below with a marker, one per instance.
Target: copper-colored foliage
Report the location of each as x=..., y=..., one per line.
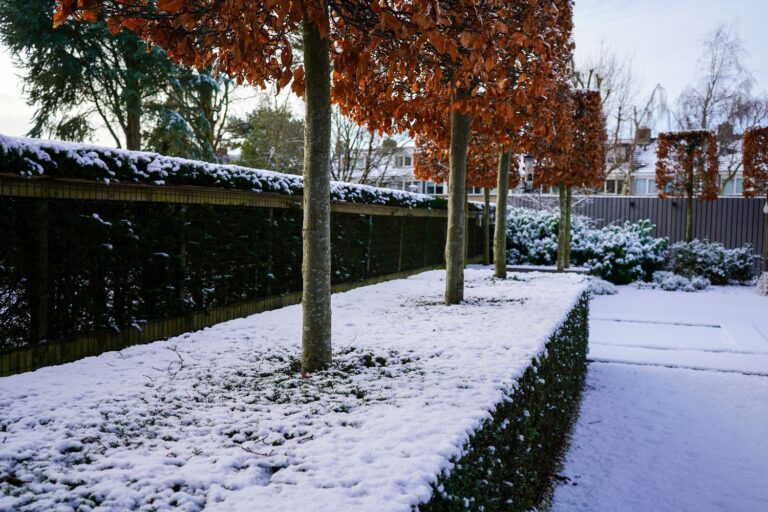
x=400, y=65
x=687, y=165
x=756, y=162
x=431, y=163
x=575, y=157
x=489, y=59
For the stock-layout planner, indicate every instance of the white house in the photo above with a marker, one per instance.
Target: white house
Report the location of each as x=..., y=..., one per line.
x=642, y=180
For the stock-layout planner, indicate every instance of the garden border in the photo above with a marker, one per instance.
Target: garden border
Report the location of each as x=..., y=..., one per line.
x=508, y=463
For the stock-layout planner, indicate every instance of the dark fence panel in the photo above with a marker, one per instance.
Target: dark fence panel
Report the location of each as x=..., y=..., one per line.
x=731, y=221
x=80, y=277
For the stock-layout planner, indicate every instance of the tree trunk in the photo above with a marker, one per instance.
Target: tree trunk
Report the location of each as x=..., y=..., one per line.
x=456, y=240
x=316, y=263
x=568, y=215
x=500, y=229
x=132, y=98
x=561, y=236
x=690, y=208
x=486, y=226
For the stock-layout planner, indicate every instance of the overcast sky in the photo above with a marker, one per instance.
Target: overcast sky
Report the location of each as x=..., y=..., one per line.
x=662, y=37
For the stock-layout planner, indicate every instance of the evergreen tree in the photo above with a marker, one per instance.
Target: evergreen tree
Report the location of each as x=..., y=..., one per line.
x=271, y=138
x=80, y=74
x=190, y=120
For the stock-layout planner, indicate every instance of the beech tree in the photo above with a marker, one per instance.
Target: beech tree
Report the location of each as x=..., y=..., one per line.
x=687, y=167
x=249, y=42
x=575, y=158
x=756, y=174
x=454, y=64
x=431, y=163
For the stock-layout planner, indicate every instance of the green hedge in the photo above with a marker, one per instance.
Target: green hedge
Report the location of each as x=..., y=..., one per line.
x=34, y=157
x=508, y=464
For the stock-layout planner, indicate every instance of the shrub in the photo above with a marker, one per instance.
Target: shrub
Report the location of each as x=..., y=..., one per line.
x=672, y=282
x=599, y=286
x=712, y=261
x=619, y=254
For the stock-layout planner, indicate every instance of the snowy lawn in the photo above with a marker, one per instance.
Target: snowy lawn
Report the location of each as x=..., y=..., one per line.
x=675, y=414
x=221, y=419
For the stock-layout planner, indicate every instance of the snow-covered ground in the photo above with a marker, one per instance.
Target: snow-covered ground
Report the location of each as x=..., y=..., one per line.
x=675, y=414
x=221, y=419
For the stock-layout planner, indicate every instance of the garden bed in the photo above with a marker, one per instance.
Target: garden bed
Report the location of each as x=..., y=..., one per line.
x=426, y=406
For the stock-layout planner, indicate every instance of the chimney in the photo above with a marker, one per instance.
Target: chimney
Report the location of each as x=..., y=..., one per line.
x=725, y=133
x=643, y=136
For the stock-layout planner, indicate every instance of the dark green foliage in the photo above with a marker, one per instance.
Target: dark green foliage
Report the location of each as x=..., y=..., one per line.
x=189, y=120
x=711, y=260
x=271, y=138
x=16, y=269
x=80, y=71
x=508, y=463
x=620, y=254
x=115, y=266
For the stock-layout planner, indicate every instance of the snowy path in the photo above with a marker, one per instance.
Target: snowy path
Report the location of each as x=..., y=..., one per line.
x=675, y=414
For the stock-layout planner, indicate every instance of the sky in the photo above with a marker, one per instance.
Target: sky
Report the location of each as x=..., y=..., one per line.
x=663, y=39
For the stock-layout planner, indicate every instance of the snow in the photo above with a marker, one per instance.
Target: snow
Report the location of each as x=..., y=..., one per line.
x=218, y=419
x=675, y=411
x=34, y=157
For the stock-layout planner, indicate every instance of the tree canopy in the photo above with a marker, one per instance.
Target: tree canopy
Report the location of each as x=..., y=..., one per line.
x=80, y=73
x=687, y=165
x=756, y=162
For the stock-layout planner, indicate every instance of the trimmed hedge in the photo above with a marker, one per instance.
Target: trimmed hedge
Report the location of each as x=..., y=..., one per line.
x=508, y=464
x=35, y=157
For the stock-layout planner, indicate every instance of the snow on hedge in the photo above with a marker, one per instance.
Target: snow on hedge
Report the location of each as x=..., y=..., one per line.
x=37, y=157
x=220, y=418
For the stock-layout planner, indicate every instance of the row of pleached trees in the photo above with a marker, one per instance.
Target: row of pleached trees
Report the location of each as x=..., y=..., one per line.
x=687, y=167
x=489, y=75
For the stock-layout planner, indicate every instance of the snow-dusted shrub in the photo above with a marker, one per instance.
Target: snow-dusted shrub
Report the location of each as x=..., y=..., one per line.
x=619, y=254
x=532, y=236
x=668, y=281
x=599, y=286
x=712, y=261
x=762, y=284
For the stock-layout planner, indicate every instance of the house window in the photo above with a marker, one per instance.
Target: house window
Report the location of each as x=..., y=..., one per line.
x=739, y=186
x=614, y=186
x=403, y=161
x=433, y=188
x=644, y=187
x=728, y=188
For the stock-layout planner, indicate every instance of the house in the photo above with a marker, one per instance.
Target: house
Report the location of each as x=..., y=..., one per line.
x=635, y=174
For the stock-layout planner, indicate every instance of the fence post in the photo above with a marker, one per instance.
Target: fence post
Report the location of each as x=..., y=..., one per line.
x=182, y=257
x=270, y=256
x=41, y=305
x=765, y=235
x=369, y=246
x=400, y=252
